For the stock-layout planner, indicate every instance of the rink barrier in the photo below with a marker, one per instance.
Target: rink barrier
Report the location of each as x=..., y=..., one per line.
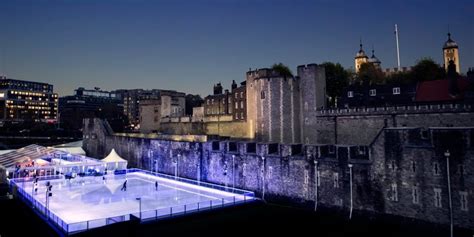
x=242, y=196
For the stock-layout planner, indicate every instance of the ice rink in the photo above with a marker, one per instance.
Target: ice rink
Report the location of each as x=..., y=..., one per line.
x=92, y=198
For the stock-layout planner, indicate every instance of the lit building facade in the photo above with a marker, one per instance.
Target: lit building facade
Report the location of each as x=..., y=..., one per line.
x=22, y=101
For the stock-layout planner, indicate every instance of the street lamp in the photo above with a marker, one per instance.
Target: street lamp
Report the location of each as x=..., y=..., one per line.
x=447, y=154
x=48, y=194
x=233, y=173
x=263, y=178
x=315, y=184
x=350, y=178
x=139, y=199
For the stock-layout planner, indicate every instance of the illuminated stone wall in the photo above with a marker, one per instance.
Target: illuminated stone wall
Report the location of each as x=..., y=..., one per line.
x=383, y=177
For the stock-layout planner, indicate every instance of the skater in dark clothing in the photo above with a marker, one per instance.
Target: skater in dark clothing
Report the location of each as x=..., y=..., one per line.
x=156, y=185
x=124, y=186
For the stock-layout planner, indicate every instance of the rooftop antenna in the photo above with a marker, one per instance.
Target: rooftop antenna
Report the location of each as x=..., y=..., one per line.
x=398, y=47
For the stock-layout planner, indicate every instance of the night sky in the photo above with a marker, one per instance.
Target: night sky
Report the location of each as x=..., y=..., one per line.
x=190, y=45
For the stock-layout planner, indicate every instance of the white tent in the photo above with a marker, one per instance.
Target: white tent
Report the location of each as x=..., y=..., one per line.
x=114, y=161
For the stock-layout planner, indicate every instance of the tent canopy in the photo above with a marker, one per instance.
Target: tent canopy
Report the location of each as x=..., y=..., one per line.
x=113, y=157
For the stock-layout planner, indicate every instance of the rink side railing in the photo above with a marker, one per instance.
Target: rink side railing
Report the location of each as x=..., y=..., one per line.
x=241, y=196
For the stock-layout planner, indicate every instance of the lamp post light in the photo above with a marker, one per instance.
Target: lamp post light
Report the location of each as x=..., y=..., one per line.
x=49, y=193
x=139, y=199
x=350, y=179
x=315, y=185
x=447, y=154
x=263, y=178
x=233, y=173
x=176, y=167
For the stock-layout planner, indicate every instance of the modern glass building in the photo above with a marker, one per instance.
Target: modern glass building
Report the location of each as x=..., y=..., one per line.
x=27, y=101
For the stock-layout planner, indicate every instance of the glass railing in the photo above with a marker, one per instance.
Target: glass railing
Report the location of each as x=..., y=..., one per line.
x=241, y=196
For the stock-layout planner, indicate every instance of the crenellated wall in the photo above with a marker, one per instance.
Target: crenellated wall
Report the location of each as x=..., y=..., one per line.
x=295, y=173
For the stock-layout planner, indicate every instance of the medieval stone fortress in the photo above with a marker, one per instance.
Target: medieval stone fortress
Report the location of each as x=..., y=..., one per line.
x=396, y=149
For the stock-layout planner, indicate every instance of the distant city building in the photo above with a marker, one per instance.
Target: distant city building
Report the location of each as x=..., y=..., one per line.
x=219, y=103
x=131, y=102
x=451, y=53
x=156, y=104
x=239, y=95
x=24, y=101
x=172, y=102
x=90, y=103
x=150, y=115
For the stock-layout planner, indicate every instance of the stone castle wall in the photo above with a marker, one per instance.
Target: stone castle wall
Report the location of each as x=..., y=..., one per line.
x=309, y=175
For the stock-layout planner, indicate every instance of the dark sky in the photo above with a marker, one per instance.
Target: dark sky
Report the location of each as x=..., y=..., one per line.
x=188, y=45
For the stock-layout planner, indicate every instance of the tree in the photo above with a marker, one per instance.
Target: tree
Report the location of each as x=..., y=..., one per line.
x=369, y=74
x=337, y=78
x=282, y=69
x=427, y=70
x=191, y=102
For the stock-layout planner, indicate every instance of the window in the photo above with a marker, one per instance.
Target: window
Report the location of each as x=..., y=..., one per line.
x=396, y=90
x=394, y=193
x=413, y=166
x=237, y=116
x=270, y=172
x=436, y=170
x=208, y=102
x=350, y=94
x=463, y=199
x=241, y=104
x=241, y=94
x=305, y=105
x=415, y=194
x=373, y=92
x=262, y=95
x=212, y=101
x=236, y=105
x=318, y=177
x=336, y=180
x=437, y=197
x=223, y=101
x=236, y=95
x=242, y=115
x=306, y=177
x=331, y=149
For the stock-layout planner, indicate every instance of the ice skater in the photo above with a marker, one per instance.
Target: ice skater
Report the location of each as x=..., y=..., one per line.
x=124, y=186
x=156, y=185
x=103, y=179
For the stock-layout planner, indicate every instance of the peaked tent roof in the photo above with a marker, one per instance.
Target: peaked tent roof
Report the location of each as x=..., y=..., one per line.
x=113, y=157
x=31, y=152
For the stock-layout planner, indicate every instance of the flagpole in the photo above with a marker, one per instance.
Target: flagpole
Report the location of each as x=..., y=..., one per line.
x=398, y=47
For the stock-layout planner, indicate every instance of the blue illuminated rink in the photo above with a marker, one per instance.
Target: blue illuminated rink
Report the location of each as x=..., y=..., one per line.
x=88, y=202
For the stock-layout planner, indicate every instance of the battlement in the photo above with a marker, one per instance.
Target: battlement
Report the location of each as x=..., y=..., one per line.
x=263, y=73
x=429, y=108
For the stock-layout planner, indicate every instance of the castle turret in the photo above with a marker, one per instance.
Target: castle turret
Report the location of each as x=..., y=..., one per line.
x=451, y=53
x=360, y=58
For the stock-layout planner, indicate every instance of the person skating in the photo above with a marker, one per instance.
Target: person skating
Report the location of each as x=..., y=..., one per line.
x=124, y=186
x=156, y=185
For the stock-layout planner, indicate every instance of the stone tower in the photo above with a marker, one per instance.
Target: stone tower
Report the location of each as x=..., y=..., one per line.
x=451, y=53
x=312, y=83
